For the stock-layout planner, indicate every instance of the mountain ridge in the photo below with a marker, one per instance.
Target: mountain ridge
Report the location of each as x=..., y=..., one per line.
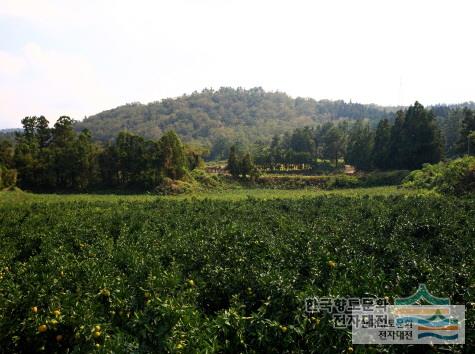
x=246, y=115
x=234, y=114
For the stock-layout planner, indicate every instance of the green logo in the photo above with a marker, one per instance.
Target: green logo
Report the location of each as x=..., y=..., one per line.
x=422, y=294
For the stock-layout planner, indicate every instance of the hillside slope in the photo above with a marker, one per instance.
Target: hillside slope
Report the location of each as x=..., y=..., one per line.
x=237, y=114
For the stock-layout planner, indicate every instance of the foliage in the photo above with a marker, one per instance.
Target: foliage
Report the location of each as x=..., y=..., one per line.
x=60, y=159
x=360, y=146
x=214, y=276
x=241, y=166
x=380, y=154
x=413, y=139
x=206, y=180
x=172, y=156
x=225, y=116
x=7, y=177
x=454, y=177
x=342, y=181
x=361, y=180
x=233, y=162
x=383, y=178
x=169, y=186
x=421, y=140
x=465, y=145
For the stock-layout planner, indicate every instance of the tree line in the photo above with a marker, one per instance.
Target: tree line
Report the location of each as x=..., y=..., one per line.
x=212, y=117
x=60, y=158
x=44, y=158
x=409, y=140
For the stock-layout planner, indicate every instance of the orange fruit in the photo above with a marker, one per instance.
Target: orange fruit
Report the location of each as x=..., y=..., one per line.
x=42, y=328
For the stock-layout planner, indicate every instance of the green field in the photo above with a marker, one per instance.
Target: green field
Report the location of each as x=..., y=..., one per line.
x=221, y=272
x=231, y=194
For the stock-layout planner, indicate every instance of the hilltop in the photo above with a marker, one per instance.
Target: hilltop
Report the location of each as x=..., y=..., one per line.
x=235, y=114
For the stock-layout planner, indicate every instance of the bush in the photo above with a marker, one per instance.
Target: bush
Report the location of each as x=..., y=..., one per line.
x=325, y=166
x=212, y=276
x=384, y=178
x=7, y=177
x=456, y=177
x=342, y=181
x=291, y=182
x=173, y=187
x=205, y=180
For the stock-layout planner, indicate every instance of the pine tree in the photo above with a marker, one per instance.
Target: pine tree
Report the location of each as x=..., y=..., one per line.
x=233, y=162
x=360, y=144
x=380, y=153
x=422, y=140
x=468, y=126
x=396, y=141
x=172, y=156
x=246, y=165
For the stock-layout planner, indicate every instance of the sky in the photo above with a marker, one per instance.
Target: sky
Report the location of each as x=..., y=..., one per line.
x=78, y=58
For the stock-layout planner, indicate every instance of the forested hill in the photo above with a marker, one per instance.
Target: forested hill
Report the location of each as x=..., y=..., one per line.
x=236, y=114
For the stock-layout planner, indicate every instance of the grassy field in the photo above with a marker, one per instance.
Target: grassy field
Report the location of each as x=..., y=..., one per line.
x=222, y=272
x=225, y=194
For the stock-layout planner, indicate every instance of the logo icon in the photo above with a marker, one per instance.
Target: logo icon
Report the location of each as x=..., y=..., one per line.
x=420, y=318
x=435, y=319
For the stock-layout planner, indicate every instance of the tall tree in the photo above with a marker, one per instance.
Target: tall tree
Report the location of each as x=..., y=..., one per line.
x=451, y=128
x=396, y=142
x=172, y=156
x=468, y=126
x=422, y=142
x=333, y=144
x=302, y=140
x=360, y=144
x=43, y=132
x=233, y=162
x=246, y=165
x=380, y=152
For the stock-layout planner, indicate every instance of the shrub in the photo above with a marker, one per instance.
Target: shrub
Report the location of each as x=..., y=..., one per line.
x=214, y=276
x=325, y=166
x=383, y=178
x=173, y=187
x=455, y=177
x=7, y=177
x=342, y=181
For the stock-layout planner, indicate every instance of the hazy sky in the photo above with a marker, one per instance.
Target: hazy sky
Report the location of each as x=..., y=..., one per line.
x=81, y=57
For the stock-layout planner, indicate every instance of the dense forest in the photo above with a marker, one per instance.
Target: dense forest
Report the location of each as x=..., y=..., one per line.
x=413, y=138
x=219, y=118
x=233, y=114
x=60, y=159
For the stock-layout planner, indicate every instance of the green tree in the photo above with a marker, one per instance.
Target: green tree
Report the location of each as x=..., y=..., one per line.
x=396, y=142
x=233, y=162
x=172, y=156
x=422, y=140
x=451, y=128
x=468, y=126
x=246, y=165
x=333, y=144
x=360, y=145
x=7, y=154
x=380, y=152
x=43, y=132
x=219, y=148
x=302, y=140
